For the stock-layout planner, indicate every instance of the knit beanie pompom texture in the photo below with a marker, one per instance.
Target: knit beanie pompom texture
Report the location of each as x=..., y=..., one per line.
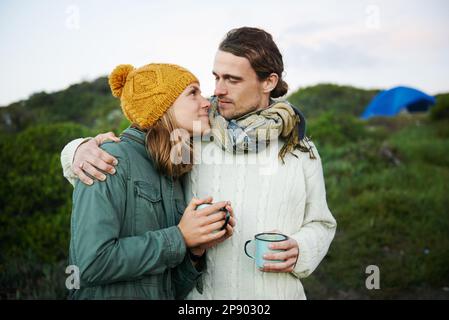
x=117, y=79
x=146, y=93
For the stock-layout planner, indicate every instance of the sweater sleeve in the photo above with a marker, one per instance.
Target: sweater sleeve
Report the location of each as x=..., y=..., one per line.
x=318, y=229
x=67, y=155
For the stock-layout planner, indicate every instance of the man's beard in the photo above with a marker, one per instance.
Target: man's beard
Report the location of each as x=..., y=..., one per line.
x=232, y=114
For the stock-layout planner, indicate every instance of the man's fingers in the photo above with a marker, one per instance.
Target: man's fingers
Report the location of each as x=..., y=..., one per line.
x=103, y=137
x=100, y=164
x=106, y=157
x=82, y=176
x=292, y=253
x=92, y=171
x=283, y=245
x=286, y=266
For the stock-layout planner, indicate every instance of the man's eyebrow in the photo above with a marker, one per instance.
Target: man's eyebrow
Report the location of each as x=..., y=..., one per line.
x=228, y=76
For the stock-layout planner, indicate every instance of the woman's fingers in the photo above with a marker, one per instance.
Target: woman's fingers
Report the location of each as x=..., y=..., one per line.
x=215, y=217
x=213, y=227
x=215, y=236
x=229, y=231
x=211, y=209
x=195, y=202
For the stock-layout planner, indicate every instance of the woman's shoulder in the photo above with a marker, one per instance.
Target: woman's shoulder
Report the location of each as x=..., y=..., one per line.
x=130, y=152
x=116, y=149
x=120, y=151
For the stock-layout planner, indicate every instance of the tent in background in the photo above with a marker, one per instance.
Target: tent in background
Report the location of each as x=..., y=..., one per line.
x=391, y=102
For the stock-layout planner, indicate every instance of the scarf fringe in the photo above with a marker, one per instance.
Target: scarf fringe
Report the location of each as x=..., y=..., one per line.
x=293, y=143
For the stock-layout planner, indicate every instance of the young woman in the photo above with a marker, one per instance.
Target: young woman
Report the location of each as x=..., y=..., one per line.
x=132, y=236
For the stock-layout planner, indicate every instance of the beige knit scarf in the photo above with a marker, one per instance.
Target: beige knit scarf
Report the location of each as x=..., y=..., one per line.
x=254, y=131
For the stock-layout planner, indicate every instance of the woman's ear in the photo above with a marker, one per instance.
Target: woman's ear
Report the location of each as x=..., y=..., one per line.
x=270, y=83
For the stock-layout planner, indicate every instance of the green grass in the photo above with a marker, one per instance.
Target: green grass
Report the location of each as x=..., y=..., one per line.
x=387, y=186
x=391, y=215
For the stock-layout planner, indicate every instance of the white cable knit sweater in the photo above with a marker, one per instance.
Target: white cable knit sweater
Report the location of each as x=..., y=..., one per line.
x=265, y=195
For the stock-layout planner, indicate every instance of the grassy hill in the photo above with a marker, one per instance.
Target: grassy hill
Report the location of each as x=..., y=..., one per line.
x=387, y=187
x=321, y=98
x=87, y=103
x=386, y=182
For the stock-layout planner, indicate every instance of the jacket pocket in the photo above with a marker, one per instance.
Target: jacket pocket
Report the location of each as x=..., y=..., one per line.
x=180, y=207
x=149, y=213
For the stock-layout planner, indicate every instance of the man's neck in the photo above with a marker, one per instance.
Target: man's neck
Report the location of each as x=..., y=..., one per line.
x=265, y=103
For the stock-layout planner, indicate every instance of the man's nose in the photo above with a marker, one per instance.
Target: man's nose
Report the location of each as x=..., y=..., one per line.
x=220, y=89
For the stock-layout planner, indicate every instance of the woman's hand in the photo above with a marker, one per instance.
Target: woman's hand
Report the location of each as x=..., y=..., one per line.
x=197, y=226
x=229, y=231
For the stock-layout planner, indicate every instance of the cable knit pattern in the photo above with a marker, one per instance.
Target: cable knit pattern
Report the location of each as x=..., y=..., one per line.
x=265, y=195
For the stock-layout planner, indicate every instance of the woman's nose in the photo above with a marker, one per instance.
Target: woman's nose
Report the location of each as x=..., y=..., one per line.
x=205, y=104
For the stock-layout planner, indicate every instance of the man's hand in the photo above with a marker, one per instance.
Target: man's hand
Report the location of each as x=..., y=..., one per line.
x=289, y=256
x=90, y=159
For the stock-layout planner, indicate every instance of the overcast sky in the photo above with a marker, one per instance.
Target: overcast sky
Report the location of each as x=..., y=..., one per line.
x=47, y=45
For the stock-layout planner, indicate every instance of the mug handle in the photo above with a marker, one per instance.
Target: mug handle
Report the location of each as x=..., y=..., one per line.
x=246, y=251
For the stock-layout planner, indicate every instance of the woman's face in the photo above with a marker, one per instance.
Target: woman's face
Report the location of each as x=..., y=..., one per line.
x=191, y=110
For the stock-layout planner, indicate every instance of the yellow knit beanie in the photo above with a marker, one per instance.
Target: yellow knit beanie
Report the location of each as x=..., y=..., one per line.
x=146, y=93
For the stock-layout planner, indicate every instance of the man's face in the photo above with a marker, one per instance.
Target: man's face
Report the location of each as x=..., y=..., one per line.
x=237, y=87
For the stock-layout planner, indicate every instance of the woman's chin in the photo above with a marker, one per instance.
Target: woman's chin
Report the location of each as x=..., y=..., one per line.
x=205, y=126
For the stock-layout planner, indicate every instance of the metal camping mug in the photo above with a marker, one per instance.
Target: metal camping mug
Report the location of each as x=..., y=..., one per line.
x=263, y=240
x=228, y=215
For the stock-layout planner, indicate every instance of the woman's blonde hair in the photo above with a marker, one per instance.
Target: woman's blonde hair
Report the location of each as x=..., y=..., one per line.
x=169, y=146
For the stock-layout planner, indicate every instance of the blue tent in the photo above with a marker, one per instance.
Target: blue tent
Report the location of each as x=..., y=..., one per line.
x=390, y=102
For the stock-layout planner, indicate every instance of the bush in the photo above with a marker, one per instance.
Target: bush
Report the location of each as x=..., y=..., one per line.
x=336, y=129
x=441, y=110
x=35, y=208
x=391, y=215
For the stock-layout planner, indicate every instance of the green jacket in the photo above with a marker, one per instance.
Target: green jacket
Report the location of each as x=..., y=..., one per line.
x=124, y=235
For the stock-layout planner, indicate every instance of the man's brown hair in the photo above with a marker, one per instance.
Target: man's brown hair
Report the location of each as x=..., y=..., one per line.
x=258, y=47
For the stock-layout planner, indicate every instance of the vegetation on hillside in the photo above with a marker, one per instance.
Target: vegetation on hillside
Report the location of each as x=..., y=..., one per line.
x=386, y=182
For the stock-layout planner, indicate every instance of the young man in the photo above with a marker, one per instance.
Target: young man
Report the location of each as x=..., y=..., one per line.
x=277, y=187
